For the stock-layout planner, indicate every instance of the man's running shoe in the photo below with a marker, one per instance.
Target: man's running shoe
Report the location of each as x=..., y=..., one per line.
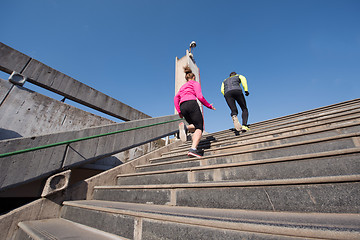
x=195, y=153
x=245, y=128
x=182, y=132
x=236, y=122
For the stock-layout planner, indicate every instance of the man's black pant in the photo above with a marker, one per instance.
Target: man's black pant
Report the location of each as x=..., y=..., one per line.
x=237, y=95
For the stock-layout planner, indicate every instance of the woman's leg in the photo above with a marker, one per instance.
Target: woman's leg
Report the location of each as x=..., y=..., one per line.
x=191, y=128
x=196, y=138
x=192, y=114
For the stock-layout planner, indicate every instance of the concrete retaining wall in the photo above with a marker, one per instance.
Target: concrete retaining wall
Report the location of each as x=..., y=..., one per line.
x=30, y=166
x=55, y=81
x=24, y=113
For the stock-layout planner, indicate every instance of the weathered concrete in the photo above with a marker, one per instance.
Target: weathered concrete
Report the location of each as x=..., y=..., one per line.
x=325, y=110
x=344, y=141
x=42, y=163
x=56, y=183
x=324, y=188
x=50, y=207
x=85, y=189
x=227, y=138
x=24, y=113
x=40, y=209
x=12, y=60
x=62, y=229
x=55, y=81
x=169, y=222
x=336, y=163
x=5, y=87
x=228, y=144
x=339, y=194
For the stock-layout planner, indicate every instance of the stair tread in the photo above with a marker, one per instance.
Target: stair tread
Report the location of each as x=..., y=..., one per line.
x=232, y=140
x=236, y=219
x=239, y=142
x=64, y=229
x=350, y=135
x=257, y=130
x=289, y=181
x=253, y=162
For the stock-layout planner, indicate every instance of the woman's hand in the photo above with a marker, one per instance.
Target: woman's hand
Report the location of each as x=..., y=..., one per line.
x=212, y=107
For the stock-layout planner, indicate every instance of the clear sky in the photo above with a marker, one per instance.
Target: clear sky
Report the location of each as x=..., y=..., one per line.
x=296, y=54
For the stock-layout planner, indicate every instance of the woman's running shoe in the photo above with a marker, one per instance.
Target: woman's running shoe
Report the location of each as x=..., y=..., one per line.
x=195, y=153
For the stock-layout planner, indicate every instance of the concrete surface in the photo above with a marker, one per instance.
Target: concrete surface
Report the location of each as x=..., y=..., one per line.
x=27, y=167
x=55, y=81
x=168, y=222
x=50, y=207
x=24, y=113
x=330, y=194
x=61, y=229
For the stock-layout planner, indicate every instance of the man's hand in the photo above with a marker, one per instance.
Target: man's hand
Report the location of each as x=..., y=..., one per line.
x=247, y=93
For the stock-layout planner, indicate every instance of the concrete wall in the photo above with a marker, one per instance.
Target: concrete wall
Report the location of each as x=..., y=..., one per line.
x=30, y=166
x=24, y=113
x=40, y=120
x=44, y=76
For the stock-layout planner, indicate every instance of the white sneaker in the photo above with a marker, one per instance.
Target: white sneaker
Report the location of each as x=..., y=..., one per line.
x=237, y=125
x=182, y=132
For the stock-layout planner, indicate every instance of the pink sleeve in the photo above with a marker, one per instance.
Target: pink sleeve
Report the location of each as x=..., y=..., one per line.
x=176, y=102
x=199, y=95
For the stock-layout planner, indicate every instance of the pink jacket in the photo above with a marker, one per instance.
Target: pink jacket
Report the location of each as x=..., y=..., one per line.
x=190, y=91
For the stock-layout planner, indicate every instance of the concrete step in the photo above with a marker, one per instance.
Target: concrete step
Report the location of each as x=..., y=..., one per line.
x=145, y=221
x=60, y=229
x=332, y=122
x=331, y=194
x=255, y=132
x=303, y=115
x=340, y=110
x=332, y=110
x=318, y=117
x=280, y=137
x=231, y=155
x=332, y=163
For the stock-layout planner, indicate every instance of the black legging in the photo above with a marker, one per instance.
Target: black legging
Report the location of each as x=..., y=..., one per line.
x=192, y=113
x=237, y=95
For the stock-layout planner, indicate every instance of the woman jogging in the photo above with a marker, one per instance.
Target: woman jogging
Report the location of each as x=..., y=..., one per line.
x=187, y=107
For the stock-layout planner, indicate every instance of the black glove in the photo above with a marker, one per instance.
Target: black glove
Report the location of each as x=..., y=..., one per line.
x=247, y=93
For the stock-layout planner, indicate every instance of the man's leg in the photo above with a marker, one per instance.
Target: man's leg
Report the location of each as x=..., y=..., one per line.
x=230, y=100
x=240, y=99
x=231, y=103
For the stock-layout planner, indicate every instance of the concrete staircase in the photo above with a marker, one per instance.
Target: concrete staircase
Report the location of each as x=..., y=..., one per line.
x=294, y=177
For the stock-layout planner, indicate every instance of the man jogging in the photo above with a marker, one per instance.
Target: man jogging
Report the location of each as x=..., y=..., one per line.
x=232, y=92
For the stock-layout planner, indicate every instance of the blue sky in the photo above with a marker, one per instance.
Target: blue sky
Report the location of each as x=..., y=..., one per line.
x=296, y=54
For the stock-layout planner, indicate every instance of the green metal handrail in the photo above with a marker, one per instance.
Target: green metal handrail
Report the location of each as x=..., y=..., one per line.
x=80, y=139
